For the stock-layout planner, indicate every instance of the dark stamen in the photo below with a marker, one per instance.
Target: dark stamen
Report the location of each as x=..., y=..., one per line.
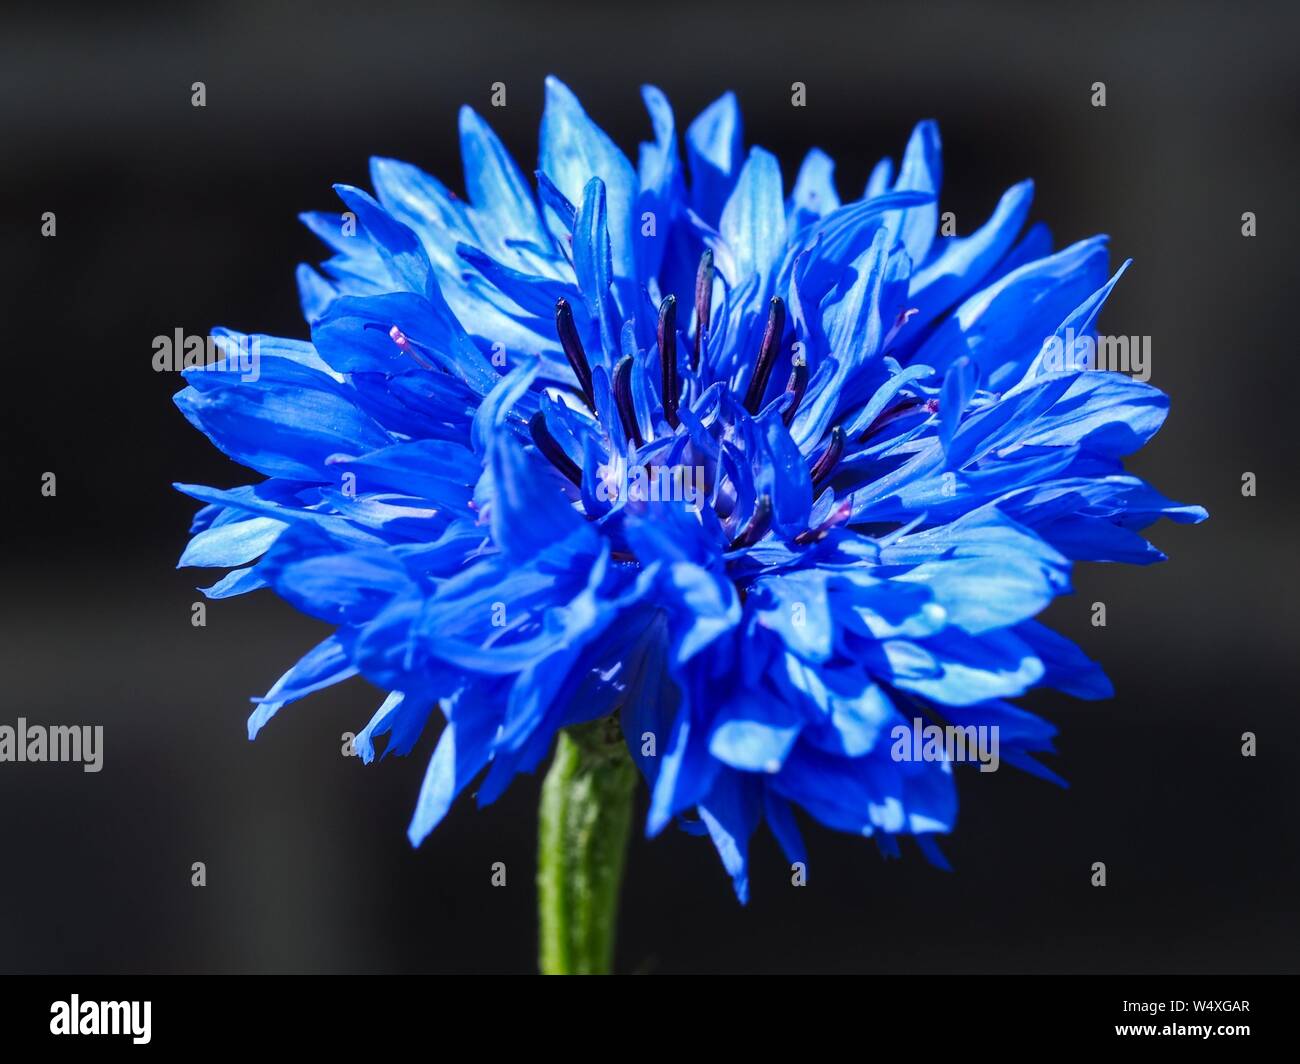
x=829, y=458
x=899, y=410
x=703, y=302
x=569, y=340
x=623, y=399
x=756, y=525
x=547, y=444
x=797, y=386
x=668, y=358
x=766, y=354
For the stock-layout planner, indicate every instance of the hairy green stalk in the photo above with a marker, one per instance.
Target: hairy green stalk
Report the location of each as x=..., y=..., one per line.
x=586, y=813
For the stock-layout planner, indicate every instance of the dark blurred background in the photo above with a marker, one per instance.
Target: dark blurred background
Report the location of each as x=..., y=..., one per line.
x=174, y=217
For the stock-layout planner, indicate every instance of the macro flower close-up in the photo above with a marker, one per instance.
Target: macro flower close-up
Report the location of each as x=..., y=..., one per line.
x=679, y=468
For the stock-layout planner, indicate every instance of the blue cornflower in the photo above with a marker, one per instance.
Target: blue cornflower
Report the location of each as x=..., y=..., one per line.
x=766, y=476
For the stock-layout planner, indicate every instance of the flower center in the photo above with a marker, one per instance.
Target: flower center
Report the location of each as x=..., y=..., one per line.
x=743, y=530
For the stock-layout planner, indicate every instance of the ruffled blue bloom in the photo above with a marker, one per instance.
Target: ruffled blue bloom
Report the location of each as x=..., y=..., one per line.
x=880, y=478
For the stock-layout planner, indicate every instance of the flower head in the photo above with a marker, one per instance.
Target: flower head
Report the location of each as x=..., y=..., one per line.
x=768, y=476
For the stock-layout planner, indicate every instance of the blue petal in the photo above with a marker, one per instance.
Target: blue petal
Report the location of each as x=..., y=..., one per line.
x=814, y=194
x=496, y=186
x=713, y=148
x=593, y=266
x=323, y=666
x=731, y=813
x=753, y=732
x=573, y=151
x=463, y=750
x=1002, y=327
x=286, y=423
x=401, y=718
x=920, y=172
x=232, y=544
x=753, y=220
x=397, y=245
x=529, y=511
x=965, y=262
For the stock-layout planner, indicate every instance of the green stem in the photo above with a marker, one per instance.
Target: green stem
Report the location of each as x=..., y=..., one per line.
x=586, y=813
